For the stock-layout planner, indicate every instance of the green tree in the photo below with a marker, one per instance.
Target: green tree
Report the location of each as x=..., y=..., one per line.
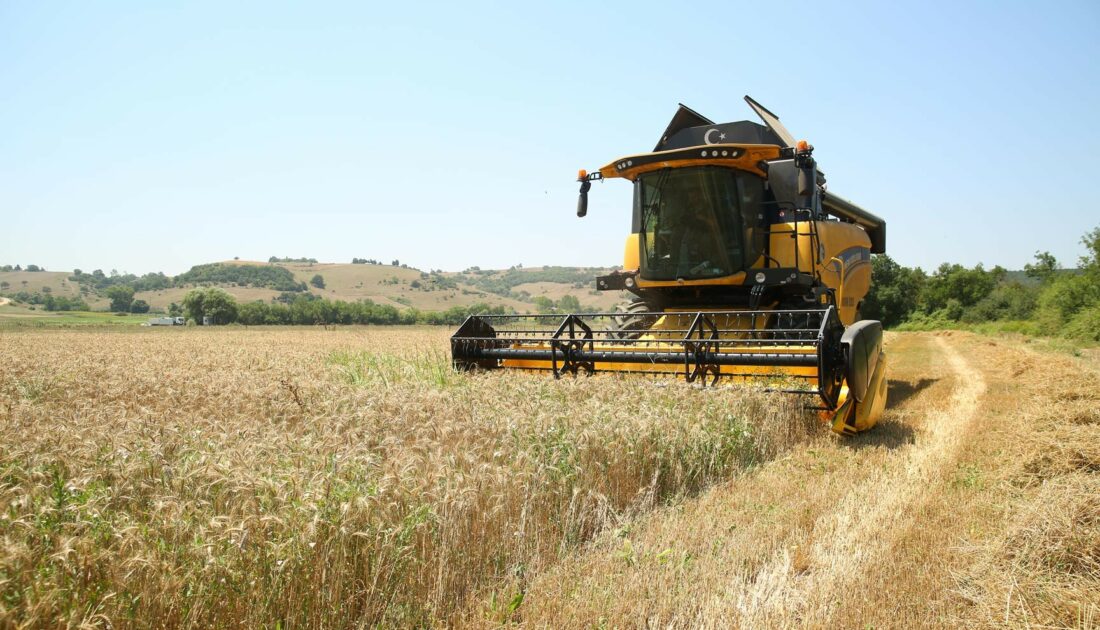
x=954, y=282
x=317, y=281
x=139, y=306
x=1070, y=302
x=252, y=313
x=1008, y=301
x=210, y=302
x=895, y=291
x=544, y=304
x=569, y=304
x=1065, y=297
x=220, y=306
x=121, y=297
x=1046, y=265
x=1090, y=262
x=174, y=310
x=192, y=305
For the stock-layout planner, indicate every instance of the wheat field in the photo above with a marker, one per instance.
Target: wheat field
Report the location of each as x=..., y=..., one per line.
x=284, y=478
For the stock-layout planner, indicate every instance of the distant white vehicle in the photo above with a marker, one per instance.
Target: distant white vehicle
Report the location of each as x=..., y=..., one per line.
x=166, y=321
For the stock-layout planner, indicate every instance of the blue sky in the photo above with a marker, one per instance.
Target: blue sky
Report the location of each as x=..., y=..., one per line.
x=153, y=136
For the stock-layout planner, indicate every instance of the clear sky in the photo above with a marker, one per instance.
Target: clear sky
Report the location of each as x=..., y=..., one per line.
x=151, y=136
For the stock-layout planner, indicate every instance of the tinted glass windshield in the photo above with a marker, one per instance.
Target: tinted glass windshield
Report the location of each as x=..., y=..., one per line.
x=698, y=222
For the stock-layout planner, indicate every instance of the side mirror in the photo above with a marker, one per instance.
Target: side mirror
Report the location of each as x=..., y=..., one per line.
x=582, y=201
x=807, y=173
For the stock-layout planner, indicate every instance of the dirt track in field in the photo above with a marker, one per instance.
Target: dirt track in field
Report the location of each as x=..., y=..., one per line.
x=927, y=520
x=856, y=532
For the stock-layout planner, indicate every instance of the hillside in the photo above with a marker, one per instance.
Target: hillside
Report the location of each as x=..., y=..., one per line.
x=400, y=287
x=56, y=283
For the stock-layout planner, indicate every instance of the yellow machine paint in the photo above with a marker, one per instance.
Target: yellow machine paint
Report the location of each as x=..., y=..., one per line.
x=665, y=335
x=744, y=267
x=839, y=251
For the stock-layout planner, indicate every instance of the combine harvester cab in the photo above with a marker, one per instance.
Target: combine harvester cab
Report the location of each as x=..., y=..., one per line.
x=744, y=268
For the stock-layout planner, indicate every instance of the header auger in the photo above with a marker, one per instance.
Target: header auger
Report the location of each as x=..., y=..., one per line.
x=743, y=267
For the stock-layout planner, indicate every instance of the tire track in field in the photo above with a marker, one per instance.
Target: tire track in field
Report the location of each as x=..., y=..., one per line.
x=858, y=530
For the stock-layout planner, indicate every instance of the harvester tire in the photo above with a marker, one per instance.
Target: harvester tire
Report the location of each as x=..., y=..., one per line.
x=631, y=324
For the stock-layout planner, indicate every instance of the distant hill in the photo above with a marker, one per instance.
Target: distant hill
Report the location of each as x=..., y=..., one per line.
x=402, y=287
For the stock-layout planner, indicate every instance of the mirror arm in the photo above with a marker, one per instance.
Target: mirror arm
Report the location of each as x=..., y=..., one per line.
x=586, y=184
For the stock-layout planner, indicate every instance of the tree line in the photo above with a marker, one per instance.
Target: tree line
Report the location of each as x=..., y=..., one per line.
x=100, y=281
x=20, y=268
x=1045, y=299
x=50, y=302
x=219, y=307
x=261, y=276
x=287, y=259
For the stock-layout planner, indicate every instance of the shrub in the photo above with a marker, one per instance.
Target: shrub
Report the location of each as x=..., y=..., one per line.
x=1085, y=325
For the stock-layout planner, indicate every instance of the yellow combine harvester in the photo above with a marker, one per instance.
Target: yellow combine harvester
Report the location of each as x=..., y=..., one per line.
x=744, y=267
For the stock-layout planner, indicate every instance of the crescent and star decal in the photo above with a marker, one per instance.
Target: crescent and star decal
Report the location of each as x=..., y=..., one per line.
x=706, y=136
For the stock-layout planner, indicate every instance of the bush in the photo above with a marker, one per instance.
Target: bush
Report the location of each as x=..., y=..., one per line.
x=1008, y=301
x=1085, y=325
x=952, y=310
x=1064, y=298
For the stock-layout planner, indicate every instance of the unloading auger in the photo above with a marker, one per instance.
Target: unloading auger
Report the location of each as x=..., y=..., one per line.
x=743, y=267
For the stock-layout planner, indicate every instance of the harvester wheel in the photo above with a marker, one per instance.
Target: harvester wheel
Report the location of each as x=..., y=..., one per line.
x=631, y=324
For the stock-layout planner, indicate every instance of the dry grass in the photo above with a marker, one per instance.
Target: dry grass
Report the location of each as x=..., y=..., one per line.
x=56, y=282
x=304, y=478
x=973, y=504
x=1044, y=568
x=356, y=282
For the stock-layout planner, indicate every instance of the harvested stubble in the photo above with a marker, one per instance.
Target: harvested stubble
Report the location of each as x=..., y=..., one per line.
x=186, y=478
